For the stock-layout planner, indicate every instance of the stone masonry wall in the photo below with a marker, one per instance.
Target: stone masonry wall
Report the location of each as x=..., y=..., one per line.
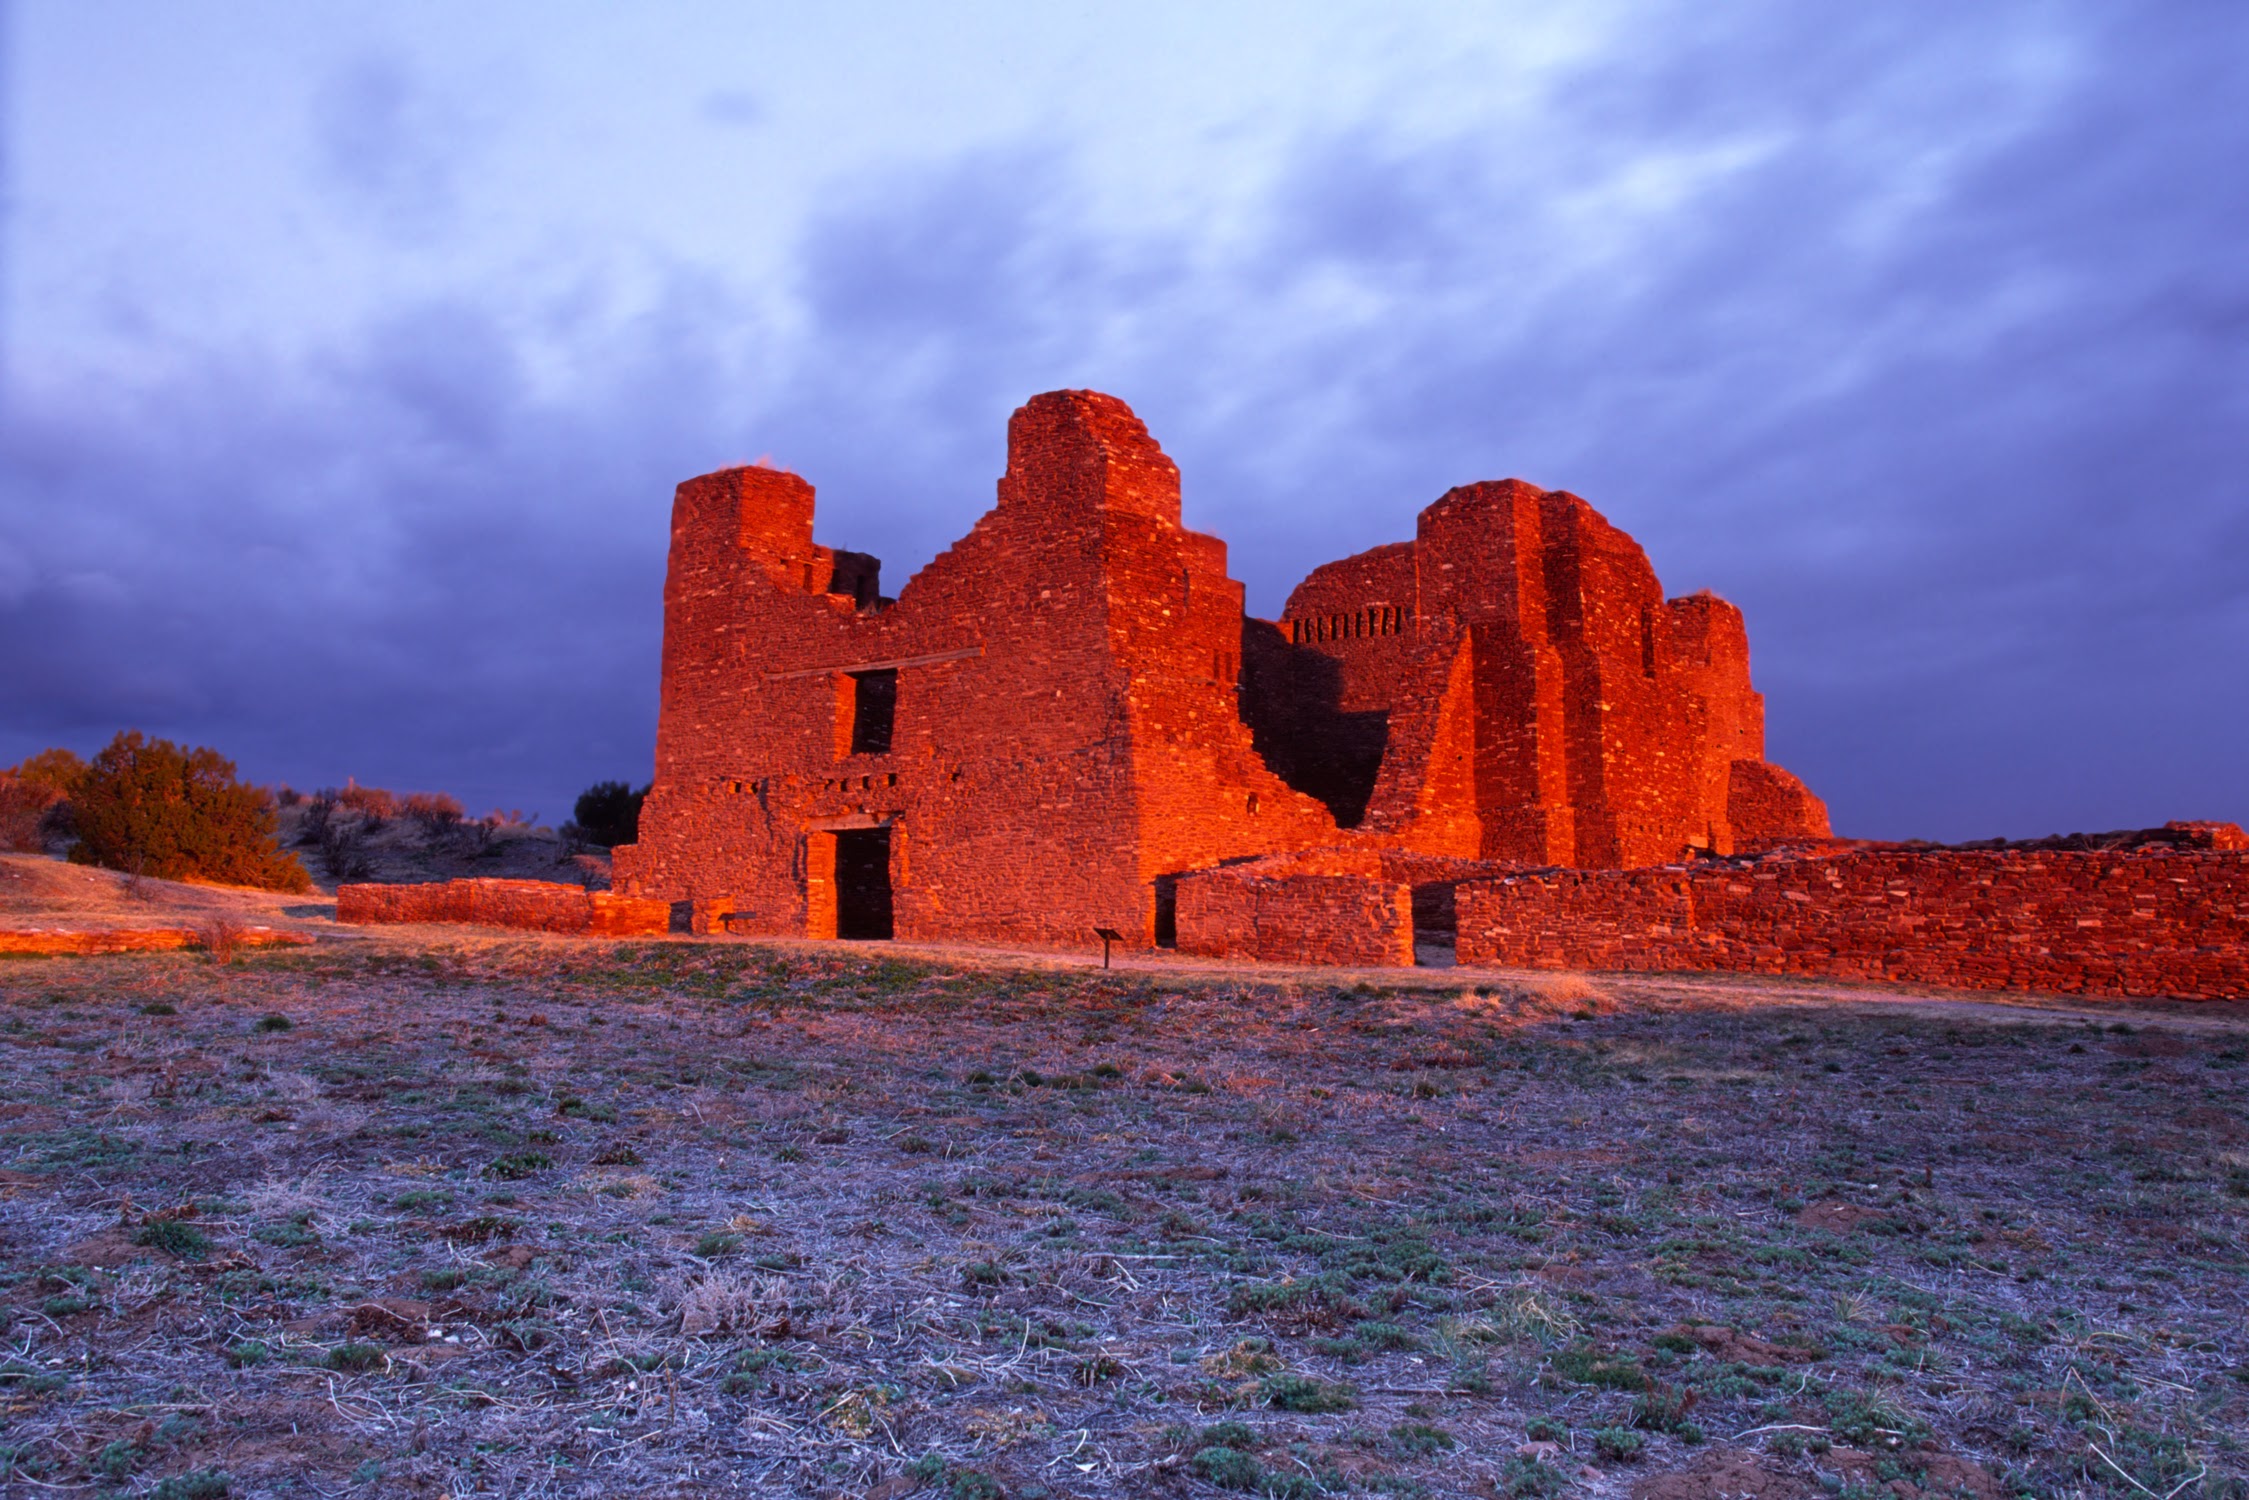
x=1302, y=919
x=2144, y=922
x=1081, y=716
x=538, y=905
x=1065, y=735
x=1321, y=906
x=1513, y=685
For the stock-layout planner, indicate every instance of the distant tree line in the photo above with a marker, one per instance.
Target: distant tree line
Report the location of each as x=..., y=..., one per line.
x=151, y=807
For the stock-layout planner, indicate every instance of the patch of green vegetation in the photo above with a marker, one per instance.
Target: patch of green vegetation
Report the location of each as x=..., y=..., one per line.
x=289, y=1234
x=1584, y=1365
x=1866, y=1421
x=1291, y=1392
x=175, y=1237
x=1228, y=1468
x=356, y=1358
x=1420, y=1440
x=1531, y=1479
x=77, y=1150
x=116, y=1460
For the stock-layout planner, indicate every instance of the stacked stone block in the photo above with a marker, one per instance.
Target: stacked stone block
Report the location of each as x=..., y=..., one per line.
x=534, y=905
x=2159, y=920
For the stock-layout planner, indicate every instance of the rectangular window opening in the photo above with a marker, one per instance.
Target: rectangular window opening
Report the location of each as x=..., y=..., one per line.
x=874, y=710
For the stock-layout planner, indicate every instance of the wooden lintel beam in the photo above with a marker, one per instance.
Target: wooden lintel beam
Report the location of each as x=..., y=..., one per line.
x=927, y=659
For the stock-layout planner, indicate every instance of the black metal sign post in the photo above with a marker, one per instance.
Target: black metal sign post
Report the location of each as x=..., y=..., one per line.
x=1107, y=935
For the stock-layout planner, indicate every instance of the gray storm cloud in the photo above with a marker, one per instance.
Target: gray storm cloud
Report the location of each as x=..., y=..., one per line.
x=1922, y=341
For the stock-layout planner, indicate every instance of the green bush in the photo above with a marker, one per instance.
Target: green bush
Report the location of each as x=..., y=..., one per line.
x=1228, y=1468
x=179, y=1240
x=1303, y=1393
x=153, y=808
x=608, y=813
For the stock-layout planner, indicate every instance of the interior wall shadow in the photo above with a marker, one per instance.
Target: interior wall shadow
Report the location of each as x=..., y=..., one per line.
x=1291, y=698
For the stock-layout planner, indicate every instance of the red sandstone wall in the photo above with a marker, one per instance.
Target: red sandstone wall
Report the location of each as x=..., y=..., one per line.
x=538, y=905
x=1070, y=732
x=2146, y=922
x=1341, y=905
x=1066, y=727
x=1534, y=699
x=1306, y=919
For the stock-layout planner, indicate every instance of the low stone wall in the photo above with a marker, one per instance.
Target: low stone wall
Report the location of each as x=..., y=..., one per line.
x=538, y=905
x=1305, y=919
x=2149, y=921
x=58, y=942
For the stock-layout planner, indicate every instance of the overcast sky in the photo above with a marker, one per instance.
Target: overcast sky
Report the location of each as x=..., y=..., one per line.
x=349, y=353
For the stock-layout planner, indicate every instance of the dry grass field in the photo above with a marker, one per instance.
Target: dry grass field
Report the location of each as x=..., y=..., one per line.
x=422, y=1213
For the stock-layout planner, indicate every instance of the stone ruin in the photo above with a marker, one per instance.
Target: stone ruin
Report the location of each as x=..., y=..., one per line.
x=1065, y=722
x=1498, y=740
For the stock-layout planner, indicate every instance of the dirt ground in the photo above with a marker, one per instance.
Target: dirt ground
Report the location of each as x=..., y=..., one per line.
x=432, y=1212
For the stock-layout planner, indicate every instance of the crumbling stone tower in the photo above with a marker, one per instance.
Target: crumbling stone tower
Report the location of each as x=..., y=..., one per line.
x=1054, y=719
x=1020, y=748
x=1513, y=685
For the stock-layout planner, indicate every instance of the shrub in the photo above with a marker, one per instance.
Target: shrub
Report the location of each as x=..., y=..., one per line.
x=22, y=810
x=312, y=823
x=153, y=808
x=343, y=847
x=35, y=799
x=1618, y=1444
x=370, y=802
x=608, y=813
x=435, y=811
x=220, y=937
x=56, y=771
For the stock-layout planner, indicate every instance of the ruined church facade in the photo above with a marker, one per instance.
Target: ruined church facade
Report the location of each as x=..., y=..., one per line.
x=1067, y=711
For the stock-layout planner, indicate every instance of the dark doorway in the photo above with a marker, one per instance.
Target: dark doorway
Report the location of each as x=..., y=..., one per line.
x=863, y=883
